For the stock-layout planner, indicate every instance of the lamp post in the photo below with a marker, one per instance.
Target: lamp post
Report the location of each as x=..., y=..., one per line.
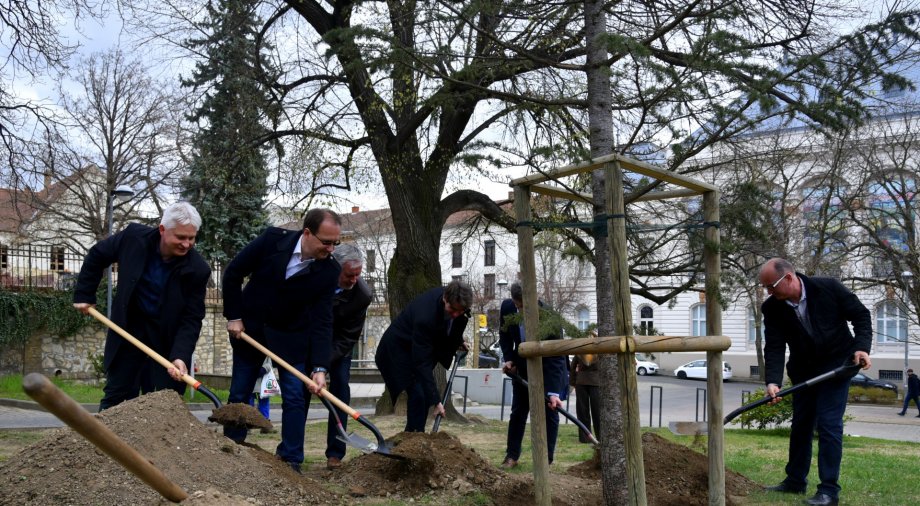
x=122, y=193
x=502, y=283
x=908, y=278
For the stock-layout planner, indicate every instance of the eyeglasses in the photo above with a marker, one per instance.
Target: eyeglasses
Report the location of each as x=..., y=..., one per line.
x=775, y=283
x=327, y=242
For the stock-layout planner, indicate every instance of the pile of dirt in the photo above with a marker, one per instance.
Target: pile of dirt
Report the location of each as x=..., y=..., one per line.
x=65, y=468
x=675, y=475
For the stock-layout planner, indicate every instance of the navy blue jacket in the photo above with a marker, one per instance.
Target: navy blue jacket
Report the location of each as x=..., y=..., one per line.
x=349, y=310
x=417, y=340
x=555, y=369
x=291, y=317
x=830, y=306
x=181, y=303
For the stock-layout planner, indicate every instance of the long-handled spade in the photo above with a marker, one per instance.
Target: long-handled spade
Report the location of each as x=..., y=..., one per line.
x=232, y=415
x=515, y=377
x=458, y=357
x=381, y=446
x=698, y=428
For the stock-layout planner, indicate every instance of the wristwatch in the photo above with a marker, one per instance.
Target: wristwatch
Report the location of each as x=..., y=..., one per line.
x=319, y=369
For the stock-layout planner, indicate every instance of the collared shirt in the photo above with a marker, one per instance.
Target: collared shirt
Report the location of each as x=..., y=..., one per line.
x=296, y=264
x=801, y=309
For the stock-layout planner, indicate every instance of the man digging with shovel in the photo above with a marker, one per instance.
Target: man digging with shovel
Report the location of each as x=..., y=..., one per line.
x=810, y=315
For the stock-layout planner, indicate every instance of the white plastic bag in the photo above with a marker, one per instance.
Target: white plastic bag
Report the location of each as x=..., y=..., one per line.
x=267, y=385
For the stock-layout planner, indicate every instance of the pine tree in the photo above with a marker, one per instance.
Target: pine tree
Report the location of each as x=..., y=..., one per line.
x=227, y=179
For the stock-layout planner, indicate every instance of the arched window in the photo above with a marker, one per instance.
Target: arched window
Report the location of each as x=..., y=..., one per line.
x=583, y=317
x=698, y=320
x=890, y=323
x=646, y=320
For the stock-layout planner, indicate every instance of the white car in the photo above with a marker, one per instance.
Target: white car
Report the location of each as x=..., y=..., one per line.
x=644, y=367
x=697, y=369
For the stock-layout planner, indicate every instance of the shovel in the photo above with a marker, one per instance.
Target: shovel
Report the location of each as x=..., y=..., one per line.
x=697, y=428
x=381, y=446
x=576, y=421
x=460, y=355
x=233, y=415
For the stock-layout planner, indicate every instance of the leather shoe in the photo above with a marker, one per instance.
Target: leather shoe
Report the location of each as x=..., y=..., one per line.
x=784, y=488
x=295, y=466
x=333, y=463
x=900, y=414
x=509, y=463
x=820, y=499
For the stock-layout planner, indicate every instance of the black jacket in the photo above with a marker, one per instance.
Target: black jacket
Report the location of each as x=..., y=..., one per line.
x=555, y=369
x=913, y=385
x=181, y=303
x=349, y=310
x=830, y=306
x=291, y=317
x=417, y=340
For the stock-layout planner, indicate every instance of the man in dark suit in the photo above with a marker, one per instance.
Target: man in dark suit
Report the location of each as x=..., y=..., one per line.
x=160, y=301
x=810, y=315
x=555, y=381
x=428, y=331
x=349, y=310
x=286, y=306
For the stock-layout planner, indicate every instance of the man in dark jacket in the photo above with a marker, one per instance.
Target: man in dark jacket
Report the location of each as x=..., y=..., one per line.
x=160, y=300
x=810, y=315
x=555, y=381
x=428, y=331
x=586, y=378
x=913, y=392
x=286, y=306
x=349, y=310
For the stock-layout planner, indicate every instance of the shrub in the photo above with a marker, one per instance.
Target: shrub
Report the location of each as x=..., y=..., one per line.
x=766, y=416
x=874, y=395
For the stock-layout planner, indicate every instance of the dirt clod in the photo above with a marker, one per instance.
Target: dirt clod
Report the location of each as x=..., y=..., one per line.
x=241, y=416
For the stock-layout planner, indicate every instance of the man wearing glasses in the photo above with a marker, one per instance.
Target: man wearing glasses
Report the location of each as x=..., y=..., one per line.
x=810, y=315
x=427, y=332
x=286, y=305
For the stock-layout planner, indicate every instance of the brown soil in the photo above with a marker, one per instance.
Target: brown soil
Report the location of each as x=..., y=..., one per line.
x=240, y=415
x=64, y=468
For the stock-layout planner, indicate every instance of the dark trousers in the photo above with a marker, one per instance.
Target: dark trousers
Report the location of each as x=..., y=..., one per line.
x=339, y=376
x=416, y=408
x=907, y=399
x=132, y=371
x=295, y=399
x=588, y=409
x=819, y=408
x=517, y=422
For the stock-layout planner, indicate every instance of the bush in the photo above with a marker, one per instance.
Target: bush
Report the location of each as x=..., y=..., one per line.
x=766, y=416
x=874, y=395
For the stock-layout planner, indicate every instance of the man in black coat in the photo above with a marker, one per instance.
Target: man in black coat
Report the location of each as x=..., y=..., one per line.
x=555, y=381
x=286, y=305
x=160, y=300
x=912, y=393
x=349, y=310
x=810, y=315
x=428, y=331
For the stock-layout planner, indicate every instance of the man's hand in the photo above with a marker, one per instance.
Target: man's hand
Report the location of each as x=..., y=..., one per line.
x=772, y=389
x=234, y=327
x=553, y=402
x=178, y=371
x=509, y=367
x=439, y=410
x=83, y=307
x=464, y=347
x=861, y=357
x=319, y=378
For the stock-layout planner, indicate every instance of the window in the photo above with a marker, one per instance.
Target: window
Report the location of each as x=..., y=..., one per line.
x=457, y=255
x=490, y=253
x=752, y=330
x=493, y=316
x=646, y=320
x=698, y=320
x=488, y=286
x=57, y=258
x=370, y=260
x=4, y=257
x=457, y=278
x=825, y=225
x=583, y=318
x=372, y=284
x=890, y=323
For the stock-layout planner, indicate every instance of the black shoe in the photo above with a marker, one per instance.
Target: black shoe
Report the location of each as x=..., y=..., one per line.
x=820, y=499
x=295, y=467
x=784, y=488
x=901, y=414
x=918, y=416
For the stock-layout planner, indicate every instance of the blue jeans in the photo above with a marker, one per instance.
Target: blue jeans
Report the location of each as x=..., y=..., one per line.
x=818, y=408
x=416, y=408
x=339, y=376
x=294, y=401
x=517, y=422
x=264, y=405
x=907, y=399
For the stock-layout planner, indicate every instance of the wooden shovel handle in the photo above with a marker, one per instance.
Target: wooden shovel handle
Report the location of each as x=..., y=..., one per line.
x=303, y=377
x=143, y=347
x=57, y=402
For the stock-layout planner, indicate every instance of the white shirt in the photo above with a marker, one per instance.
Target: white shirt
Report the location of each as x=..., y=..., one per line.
x=801, y=309
x=296, y=264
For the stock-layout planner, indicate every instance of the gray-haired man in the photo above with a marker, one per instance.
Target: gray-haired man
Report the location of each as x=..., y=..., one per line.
x=349, y=309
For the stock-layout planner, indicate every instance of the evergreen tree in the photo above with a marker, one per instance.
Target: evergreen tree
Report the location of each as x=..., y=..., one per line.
x=227, y=179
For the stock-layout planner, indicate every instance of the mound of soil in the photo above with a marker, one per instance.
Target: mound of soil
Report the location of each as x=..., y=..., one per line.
x=675, y=475
x=65, y=468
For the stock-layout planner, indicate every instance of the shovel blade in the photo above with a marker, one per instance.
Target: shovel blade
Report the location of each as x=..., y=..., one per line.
x=688, y=428
x=356, y=441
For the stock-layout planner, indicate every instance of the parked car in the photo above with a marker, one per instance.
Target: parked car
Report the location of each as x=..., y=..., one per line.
x=861, y=380
x=644, y=367
x=697, y=369
x=488, y=361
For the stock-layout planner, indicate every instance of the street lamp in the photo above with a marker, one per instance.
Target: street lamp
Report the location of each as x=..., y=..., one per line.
x=502, y=283
x=908, y=277
x=122, y=193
